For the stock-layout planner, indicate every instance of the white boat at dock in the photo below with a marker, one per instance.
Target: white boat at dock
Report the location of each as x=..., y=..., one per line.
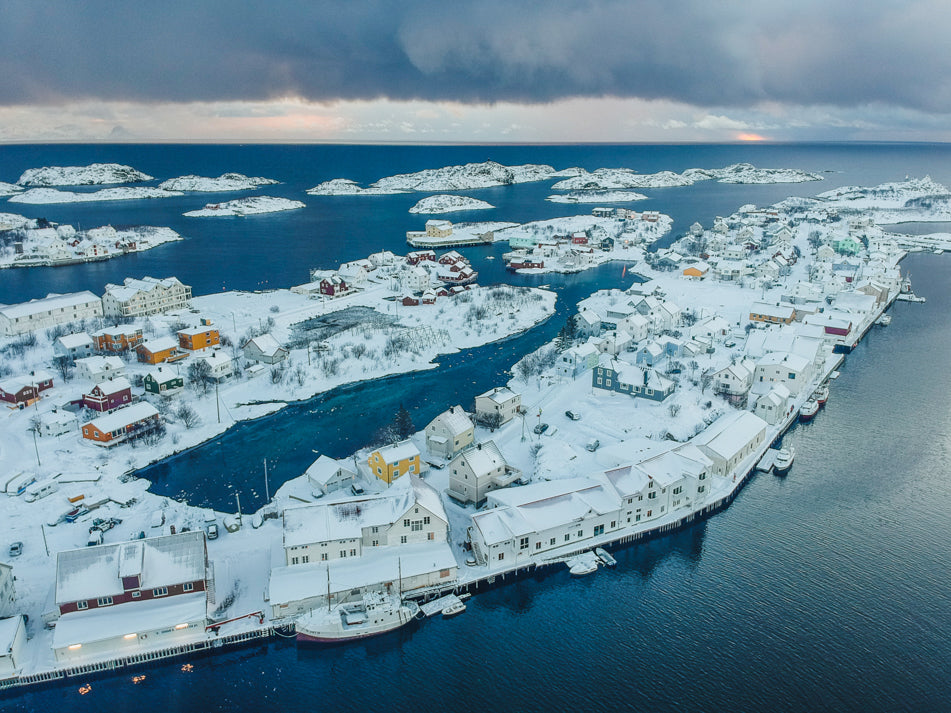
x=808, y=410
x=884, y=320
x=822, y=394
x=605, y=557
x=583, y=564
x=376, y=613
x=784, y=460
x=457, y=607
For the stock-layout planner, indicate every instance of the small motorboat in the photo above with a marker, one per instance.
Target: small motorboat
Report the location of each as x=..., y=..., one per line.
x=808, y=410
x=784, y=460
x=821, y=395
x=605, y=557
x=583, y=564
x=453, y=609
x=884, y=320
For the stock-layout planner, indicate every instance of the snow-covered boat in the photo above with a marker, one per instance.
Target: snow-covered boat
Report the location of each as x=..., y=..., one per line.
x=376, y=613
x=453, y=609
x=808, y=410
x=821, y=395
x=884, y=320
x=583, y=564
x=784, y=460
x=605, y=557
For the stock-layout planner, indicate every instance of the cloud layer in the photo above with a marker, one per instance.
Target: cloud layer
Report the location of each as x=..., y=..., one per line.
x=727, y=54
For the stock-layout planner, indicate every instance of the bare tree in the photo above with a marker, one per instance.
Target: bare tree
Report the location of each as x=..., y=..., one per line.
x=187, y=415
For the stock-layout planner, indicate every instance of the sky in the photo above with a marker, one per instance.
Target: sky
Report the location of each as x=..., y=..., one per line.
x=485, y=71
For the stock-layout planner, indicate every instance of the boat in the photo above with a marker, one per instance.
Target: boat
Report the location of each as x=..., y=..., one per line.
x=821, y=395
x=376, y=613
x=583, y=564
x=605, y=557
x=453, y=609
x=884, y=320
x=808, y=410
x=784, y=460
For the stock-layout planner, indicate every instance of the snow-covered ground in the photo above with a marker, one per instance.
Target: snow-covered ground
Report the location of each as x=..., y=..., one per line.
x=449, y=204
x=252, y=205
x=91, y=175
x=224, y=182
x=41, y=196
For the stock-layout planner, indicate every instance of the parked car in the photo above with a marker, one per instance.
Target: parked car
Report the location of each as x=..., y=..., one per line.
x=593, y=445
x=16, y=549
x=95, y=538
x=356, y=489
x=212, y=531
x=541, y=428
x=573, y=415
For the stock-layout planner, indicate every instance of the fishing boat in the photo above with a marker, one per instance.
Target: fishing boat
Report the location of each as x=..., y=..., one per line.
x=784, y=460
x=808, y=410
x=583, y=564
x=376, y=613
x=453, y=609
x=821, y=395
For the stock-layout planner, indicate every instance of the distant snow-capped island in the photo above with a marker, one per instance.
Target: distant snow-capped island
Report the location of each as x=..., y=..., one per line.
x=597, y=196
x=346, y=187
x=625, y=178
x=449, y=204
x=911, y=200
x=252, y=205
x=47, y=244
x=91, y=175
x=40, y=196
x=487, y=174
x=224, y=182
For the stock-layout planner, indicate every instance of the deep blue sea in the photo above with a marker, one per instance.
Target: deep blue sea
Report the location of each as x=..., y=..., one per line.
x=825, y=590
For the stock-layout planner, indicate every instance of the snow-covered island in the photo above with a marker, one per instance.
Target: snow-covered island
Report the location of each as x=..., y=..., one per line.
x=224, y=182
x=91, y=175
x=252, y=205
x=449, y=204
x=449, y=178
x=33, y=243
x=650, y=409
x=8, y=189
x=621, y=178
x=40, y=196
x=597, y=196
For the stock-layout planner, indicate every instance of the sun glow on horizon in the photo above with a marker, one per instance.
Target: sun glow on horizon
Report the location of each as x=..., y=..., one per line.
x=750, y=137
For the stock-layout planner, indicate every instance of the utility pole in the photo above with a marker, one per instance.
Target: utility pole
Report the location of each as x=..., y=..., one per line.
x=45, y=546
x=217, y=402
x=36, y=449
x=237, y=496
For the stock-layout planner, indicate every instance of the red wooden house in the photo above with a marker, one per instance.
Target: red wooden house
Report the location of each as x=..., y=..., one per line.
x=109, y=395
x=332, y=286
x=26, y=388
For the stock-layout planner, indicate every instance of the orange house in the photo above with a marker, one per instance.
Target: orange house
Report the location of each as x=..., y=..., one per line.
x=198, y=338
x=130, y=422
x=155, y=351
x=118, y=339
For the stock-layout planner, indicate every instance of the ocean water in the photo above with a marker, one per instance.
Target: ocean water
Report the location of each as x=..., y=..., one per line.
x=824, y=590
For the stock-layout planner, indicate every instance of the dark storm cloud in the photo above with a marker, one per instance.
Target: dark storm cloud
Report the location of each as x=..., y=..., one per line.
x=726, y=53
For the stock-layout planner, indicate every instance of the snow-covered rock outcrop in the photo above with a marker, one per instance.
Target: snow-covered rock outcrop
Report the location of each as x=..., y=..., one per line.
x=449, y=204
x=38, y=196
x=597, y=196
x=8, y=189
x=224, y=182
x=12, y=220
x=621, y=178
x=915, y=199
x=469, y=176
x=346, y=187
x=92, y=175
x=252, y=205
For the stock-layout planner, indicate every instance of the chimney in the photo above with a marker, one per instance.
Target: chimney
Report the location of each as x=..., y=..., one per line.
x=645, y=377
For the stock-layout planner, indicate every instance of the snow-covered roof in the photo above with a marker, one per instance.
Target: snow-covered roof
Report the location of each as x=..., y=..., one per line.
x=670, y=467
x=627, y=480
x=404, y=450
x=730, y=433
x=200, y=329
x=160, y=344
x=500, y=394
x=125, y=416
x=104, y=623
x=51, y=302
x=101, y=363
x=346, y=519
x=780, y=311
x=554, y=503
x=8, y=631
x=118, y=330
x=377, y=565
x=483, y=458
x=323, y=469
x=454, y=420
x=93, y=572
x=130, y=287
x=792, y=361
x=113, y=385
x=74, y=341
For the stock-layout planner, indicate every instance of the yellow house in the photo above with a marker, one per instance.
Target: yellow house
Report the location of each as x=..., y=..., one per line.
x=391, y=462
x=697, y=271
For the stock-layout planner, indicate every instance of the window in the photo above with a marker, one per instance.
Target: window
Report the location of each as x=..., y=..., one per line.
x=426, y=520
x=567, y=536
x=523, y=543
x=374, y=529
x=417, y=526
x=501, y=555
x=343, y=553
x=613, y=523
x=702, y=476
x=538, y=545
x=650, y=484
x=652, y=495
x=412, y=468
x=160, y=591
x=701, y=488
x=792, y=376
x=379, y=471
x=295, y=560
x=580, y=533
x=600, y=380
x=637, y=518
x=82, y=605
x=649, y=513
x=353, y=553
x=607, y=382
x=305, y=559
x=375, y=543
x=406, y=522
x=678, y=490
x=552, y=541
x=430, y=535
x=402, y=539
x=598, y=530
x=188, y=586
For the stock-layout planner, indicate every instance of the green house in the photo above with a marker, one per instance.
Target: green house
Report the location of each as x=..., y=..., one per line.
x=847, y=246
x=162, y=381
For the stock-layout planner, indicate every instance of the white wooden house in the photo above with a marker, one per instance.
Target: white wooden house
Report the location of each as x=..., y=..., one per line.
x=499, y=404
x=449, y=433
x=327, y=474
x=479, y=470
x=731, y=439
